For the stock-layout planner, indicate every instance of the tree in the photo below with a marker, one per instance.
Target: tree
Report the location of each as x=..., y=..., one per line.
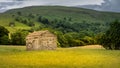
x=4, y=40
x=3, y=35
x=70, y=19
x=18, y=38
x=61, y=39
x=3, y=31
x=88, y=40
x=111, y=39
x=40, y=19
x=78, y=43
x=72, y=39
x=31, y=15
x=19, y=13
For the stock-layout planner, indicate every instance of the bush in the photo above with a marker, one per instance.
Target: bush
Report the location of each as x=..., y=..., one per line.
x=62, y=41
x=88, y=40
x=78, y=43
x=4, y=35
x=4, y=40
x=3, y=31
x=111, y=39
x=18, y=38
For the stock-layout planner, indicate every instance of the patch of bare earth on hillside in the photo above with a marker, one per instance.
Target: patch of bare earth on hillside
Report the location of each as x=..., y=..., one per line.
x=93, y=47
x=90, y=47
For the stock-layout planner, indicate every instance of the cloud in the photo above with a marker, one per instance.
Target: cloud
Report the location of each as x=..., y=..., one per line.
x=106, y=5
x=5, y=5
x=10, y=4
x=111, y=5
x=103, y=5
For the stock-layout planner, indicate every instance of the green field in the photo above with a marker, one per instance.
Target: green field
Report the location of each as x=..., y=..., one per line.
x=78, y=57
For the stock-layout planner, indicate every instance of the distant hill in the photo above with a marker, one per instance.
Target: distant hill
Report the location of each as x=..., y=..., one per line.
x=77, y=15
x=94, y=7
x=104, y=7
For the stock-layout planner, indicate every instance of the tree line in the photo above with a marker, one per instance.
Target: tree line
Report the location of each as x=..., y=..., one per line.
x=69, y=33
x=17, y=38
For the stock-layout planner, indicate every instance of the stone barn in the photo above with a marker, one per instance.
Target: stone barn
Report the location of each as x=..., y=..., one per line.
x=41, y=40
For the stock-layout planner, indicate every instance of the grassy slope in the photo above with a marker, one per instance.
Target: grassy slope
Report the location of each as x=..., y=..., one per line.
x=78, y=14
x=17, y=57
x=5, y=19
x=59, y=12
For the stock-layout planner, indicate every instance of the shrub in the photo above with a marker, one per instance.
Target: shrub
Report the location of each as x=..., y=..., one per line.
x=18, y=38
x=111, y=39
x=88, y=40
x=4, y=35
x=4, y=40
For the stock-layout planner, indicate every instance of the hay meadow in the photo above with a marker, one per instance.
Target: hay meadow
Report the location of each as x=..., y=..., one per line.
x=78, y=57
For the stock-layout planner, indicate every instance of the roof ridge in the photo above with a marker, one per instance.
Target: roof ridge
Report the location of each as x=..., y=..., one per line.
x=37, y=33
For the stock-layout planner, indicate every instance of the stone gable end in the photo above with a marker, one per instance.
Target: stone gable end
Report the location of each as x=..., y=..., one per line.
x=41, y=40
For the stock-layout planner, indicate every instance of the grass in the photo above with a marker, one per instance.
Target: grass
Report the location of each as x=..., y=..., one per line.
x=18, y=57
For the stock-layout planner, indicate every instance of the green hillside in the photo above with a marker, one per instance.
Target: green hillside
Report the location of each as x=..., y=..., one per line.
x=78, y=15
x=73, y=26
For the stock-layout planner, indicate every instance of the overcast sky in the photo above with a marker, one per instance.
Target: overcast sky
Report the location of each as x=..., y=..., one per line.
x=10, y=4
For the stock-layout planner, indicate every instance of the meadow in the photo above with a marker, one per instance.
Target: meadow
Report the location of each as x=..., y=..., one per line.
x=76, y=57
